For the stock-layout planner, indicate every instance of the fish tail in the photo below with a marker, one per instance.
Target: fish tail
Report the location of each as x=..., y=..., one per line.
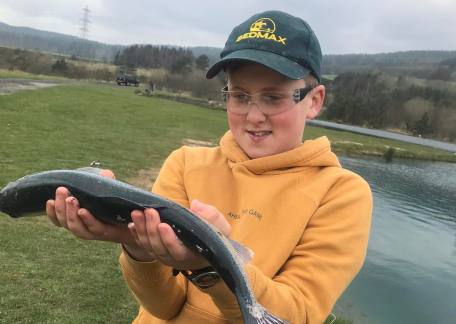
x=261, y=316
x=268, y=318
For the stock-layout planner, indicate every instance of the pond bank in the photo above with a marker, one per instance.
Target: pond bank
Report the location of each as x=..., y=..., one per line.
x=450, y=147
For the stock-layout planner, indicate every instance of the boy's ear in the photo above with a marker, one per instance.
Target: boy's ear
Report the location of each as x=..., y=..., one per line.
x=317, y=97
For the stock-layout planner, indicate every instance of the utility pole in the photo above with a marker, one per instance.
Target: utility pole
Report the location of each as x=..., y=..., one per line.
x=85, y=22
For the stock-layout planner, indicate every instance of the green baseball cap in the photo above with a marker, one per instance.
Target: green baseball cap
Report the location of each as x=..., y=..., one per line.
x=277, y=40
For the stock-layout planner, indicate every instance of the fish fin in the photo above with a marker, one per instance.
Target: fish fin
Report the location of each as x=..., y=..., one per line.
x=90, y=170
x=262, y=316
x=245, y=254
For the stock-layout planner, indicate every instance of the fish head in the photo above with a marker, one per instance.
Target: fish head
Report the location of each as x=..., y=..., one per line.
x=18, y=199
x=7, y=199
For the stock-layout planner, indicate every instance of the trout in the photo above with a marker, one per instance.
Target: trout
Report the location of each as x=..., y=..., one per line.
x=113, y=201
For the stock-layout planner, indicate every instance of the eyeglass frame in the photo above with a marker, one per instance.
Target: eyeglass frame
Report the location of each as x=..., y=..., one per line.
x=298, y=96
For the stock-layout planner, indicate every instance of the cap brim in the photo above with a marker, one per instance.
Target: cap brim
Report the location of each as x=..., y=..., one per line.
x=276, y=62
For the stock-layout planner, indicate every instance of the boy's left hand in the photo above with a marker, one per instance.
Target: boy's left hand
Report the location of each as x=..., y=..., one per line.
x=159, y=239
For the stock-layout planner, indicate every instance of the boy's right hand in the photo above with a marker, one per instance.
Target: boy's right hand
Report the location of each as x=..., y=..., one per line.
x=64, y=211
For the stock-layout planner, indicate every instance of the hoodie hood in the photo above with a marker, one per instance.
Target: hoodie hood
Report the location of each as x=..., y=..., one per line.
x=311, y=153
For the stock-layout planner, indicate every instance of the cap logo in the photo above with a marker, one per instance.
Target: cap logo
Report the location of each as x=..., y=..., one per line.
x=263, y=28
x=264, y=25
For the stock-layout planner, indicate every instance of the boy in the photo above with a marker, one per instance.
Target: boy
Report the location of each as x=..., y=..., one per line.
x=306, y=219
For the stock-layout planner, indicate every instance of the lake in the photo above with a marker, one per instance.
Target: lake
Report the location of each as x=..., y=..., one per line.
x=410, y=271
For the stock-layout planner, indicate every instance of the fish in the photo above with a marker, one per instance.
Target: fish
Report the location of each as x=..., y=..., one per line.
x=112, y=201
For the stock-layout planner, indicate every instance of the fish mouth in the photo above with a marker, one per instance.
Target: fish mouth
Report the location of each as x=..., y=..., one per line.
x=2, y=199
x=4, y=203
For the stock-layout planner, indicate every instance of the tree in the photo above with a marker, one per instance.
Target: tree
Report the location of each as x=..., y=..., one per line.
x=202, y=62
x=18, y=60
x=442, y=73
x=60, y=66
x=148, y=56
x=423, y=126
x=182, y=65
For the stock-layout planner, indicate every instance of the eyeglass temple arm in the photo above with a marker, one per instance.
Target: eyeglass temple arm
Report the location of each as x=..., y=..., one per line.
x=300, y=94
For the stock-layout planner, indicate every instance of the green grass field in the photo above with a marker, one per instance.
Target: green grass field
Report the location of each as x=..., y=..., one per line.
x=48, y=276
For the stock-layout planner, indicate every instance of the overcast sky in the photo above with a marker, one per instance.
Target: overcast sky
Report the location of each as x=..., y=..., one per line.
x=342, y=26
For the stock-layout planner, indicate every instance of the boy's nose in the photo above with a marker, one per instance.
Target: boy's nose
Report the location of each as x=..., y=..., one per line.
x=255, y=114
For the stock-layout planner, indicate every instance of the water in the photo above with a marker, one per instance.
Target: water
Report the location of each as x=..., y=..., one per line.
x=410, y=271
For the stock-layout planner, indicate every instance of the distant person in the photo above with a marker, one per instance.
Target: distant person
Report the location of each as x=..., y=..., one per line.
x=306, y=218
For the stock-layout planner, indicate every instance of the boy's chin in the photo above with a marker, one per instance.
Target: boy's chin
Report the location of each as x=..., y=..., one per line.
x=258, y=152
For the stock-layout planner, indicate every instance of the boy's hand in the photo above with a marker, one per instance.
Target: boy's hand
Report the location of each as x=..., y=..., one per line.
x=162, y=243
x=64, y=211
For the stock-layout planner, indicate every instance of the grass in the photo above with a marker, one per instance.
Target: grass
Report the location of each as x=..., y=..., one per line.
x=333, y=319
x=330, y=77
x=47, y=275
x=70, y=126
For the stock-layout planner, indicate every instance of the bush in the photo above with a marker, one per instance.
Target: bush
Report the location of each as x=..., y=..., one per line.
x=194, y=82
x=60, y=67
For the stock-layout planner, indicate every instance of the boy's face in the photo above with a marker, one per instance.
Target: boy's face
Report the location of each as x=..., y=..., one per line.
x=260, y=135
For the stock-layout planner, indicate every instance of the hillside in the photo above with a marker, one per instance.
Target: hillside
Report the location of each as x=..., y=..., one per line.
x=416, y=63
x=44, y=41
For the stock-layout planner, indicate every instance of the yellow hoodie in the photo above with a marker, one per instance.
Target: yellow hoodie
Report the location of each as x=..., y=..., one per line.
x=306, y=219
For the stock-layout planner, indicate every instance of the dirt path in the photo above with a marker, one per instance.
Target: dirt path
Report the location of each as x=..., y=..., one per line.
x=8, y=86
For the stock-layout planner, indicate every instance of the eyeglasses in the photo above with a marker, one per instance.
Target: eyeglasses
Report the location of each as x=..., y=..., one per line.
x=269, y=103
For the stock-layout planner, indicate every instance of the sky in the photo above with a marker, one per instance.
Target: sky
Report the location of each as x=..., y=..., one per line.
x=342, y=26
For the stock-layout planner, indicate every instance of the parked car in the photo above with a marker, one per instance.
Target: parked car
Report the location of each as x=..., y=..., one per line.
x=127, y=80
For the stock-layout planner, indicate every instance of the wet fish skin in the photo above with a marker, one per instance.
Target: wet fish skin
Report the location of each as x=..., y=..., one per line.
x=113, y=201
